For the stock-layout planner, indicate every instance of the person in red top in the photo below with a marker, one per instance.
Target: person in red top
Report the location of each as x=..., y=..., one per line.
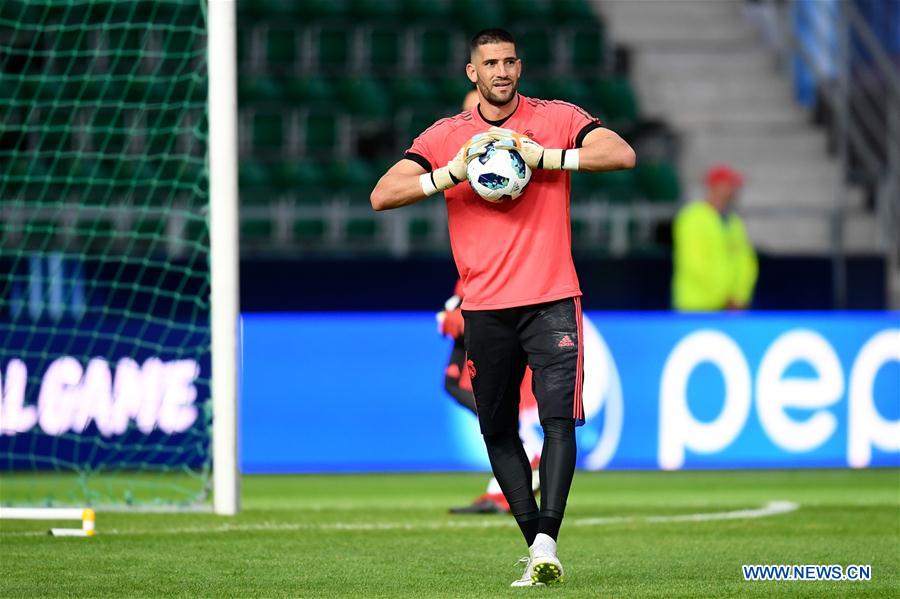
x=522, y=303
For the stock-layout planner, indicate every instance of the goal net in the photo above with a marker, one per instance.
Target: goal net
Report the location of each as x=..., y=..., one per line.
x=104, y=253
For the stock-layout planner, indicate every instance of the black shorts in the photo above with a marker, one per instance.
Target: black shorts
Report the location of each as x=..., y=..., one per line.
x=546, y=337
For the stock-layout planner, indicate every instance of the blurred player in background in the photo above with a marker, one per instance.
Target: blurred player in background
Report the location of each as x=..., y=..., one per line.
x=715, y=266
x=522, y=301
x=459, y=387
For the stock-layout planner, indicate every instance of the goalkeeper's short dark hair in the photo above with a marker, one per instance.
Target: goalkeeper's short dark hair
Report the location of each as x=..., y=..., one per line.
x=491, y=36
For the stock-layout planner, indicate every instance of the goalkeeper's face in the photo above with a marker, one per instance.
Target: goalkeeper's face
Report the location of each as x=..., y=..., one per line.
x=495, y=70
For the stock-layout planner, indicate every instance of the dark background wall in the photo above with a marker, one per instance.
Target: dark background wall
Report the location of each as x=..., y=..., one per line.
x=637, y=283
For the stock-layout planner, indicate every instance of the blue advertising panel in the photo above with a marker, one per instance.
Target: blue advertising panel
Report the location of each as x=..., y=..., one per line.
x=364, y=392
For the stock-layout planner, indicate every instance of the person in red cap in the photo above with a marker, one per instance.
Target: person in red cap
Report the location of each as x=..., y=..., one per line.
x=715, y=266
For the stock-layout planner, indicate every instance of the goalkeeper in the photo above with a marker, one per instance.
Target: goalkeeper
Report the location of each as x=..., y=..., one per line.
x=522, y=303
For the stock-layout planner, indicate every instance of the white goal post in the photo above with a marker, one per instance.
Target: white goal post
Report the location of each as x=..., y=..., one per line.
x=223, y=255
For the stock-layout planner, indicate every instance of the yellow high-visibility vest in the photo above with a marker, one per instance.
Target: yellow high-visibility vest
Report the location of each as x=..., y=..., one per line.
x=714, y=262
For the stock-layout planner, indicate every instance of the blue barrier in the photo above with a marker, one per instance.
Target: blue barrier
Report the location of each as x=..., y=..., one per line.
x=363, y=392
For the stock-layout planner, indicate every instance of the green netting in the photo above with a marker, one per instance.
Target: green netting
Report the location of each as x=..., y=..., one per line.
x=104, y=280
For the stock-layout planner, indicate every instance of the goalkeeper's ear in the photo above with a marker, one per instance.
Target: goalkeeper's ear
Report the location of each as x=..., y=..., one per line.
x=470, y=72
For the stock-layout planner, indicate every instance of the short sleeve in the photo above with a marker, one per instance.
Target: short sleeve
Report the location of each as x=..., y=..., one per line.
x=424, y=149
x=581, y=122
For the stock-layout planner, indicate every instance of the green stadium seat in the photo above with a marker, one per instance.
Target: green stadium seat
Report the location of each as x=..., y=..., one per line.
x=362, y=229
x=616, y=98
x=282, y=48
x=252, y=175
x=268, y=131
x=658, y=182
x=255, y=230
x=566, y=89
x=309, y=230
x=297, y=174
x=536, y=49
x=526, y=11
x=384, y=47
x=258, y=90
x=310, y=91
x=355, y=177
x=453, y=90
x=587, y=49
x=412, y=91
x=334, y=47
x=437, y=50
x=364, y=97
x=366, y=10
x=477, y=15
x=321, y=132
x=320, y=9
x=573, y=11
x=420, y=228
x=426, y=10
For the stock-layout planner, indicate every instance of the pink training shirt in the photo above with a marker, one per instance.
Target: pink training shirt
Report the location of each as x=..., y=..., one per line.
x=515, y=253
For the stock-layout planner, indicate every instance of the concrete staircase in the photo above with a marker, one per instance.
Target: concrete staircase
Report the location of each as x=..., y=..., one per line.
x=701, y=65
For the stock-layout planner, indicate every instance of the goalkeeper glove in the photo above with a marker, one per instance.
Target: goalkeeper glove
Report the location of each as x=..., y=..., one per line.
x=533, y=153
x=455, y=171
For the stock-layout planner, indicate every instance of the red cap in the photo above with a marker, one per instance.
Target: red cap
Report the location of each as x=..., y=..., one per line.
x=722, y=173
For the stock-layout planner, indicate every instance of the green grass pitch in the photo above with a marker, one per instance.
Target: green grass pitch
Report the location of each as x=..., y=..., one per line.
x=367, y=536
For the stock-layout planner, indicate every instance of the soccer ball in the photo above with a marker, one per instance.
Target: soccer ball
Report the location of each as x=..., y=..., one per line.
x=498, y=175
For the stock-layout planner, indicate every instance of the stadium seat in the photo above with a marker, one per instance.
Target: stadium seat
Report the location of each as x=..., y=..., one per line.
x=252, y=175
x=614, y=186
x=364, y=97
x=453, y=90
x=411, y=91
x=363, y=10
x=320, y=9
x=361, y=229
x=573, y=11
x=268, y=131
x=309, y=230
x=258, y=90
x=282, y=48
x=536, y=49
x=320, y=131
x=658, y=182
x=587, y=49
x=333, y=45
x=567, y=89
x=426, y=10
x=384, y=48
x=439, y=49
x=420, y=228
x=294, y=175
x=310, y=91
x=477, y=15
x=527, y=12
x=617, y=100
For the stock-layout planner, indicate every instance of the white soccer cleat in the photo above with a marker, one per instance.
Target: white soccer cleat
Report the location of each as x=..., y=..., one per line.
x=545, y=566
x=526, y=580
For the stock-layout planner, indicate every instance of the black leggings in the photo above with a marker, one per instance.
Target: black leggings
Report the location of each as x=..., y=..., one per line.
x=513, y=471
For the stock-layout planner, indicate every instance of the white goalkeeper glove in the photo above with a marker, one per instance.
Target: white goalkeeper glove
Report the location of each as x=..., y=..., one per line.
x=533, y=153
x=455, y=170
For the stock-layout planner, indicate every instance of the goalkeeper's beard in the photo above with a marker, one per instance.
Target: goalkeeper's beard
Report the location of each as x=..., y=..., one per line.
x=495, y=99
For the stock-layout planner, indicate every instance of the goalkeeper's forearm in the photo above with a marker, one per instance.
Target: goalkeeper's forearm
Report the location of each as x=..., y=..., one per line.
x=400, y=186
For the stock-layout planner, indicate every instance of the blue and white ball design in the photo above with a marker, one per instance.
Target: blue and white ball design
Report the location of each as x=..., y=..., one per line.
x=499, y=174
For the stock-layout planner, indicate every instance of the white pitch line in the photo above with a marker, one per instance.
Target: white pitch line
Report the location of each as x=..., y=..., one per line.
x=773, y=508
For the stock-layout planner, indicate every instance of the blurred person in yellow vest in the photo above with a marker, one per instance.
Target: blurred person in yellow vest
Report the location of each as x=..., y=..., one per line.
x=715, y=265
